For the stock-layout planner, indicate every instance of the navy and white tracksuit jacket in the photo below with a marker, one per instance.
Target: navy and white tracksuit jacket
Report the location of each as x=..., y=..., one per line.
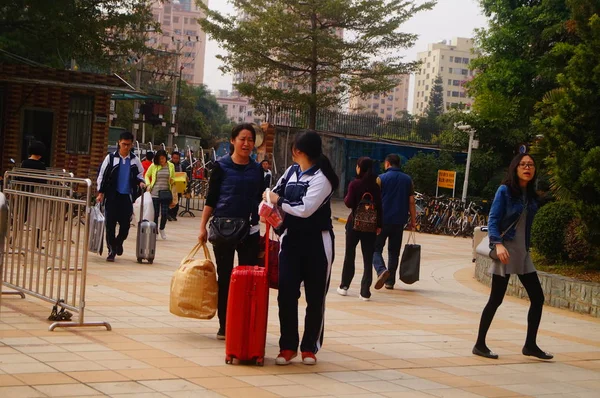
x=306, y=255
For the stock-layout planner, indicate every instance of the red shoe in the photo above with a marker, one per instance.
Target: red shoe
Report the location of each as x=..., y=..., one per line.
x=309, y=358
x=285, y=357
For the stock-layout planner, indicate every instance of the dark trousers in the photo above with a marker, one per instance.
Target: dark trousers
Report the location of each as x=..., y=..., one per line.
x=247, y=255
x=367, y=245
x=163, y=207
x=305, y=257
x=118, y=209
x=532, y=285
x=393, y=233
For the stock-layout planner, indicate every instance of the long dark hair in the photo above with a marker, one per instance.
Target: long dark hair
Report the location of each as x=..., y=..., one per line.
x=512, y=178
x=365, y=169
x=158, y=154
x=237, y=130
x=309, y=142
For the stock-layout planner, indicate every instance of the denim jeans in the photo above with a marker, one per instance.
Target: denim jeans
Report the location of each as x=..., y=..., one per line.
x=392, y=233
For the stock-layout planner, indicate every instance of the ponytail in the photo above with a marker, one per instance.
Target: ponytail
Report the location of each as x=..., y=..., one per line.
x=325, y=165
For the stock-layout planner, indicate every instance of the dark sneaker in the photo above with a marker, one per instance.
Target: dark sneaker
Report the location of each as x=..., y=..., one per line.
x=174, y=218
x=120, y=250
x=285, y=357
x=221, y=334
x=169, y=218
x=389, y=286
x=381, y=279
x=111, y=257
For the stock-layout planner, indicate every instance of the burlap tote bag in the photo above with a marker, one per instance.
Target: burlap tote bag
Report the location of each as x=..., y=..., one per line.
x=194, y=288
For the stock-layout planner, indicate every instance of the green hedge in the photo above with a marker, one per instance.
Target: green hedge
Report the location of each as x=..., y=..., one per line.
x=549, y=229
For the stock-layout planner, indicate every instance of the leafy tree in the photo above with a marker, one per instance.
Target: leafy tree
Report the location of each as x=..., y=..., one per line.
x=95, y=33
x=311, y=53
x=569, y=120
x=423, y=169
x=518, y=64
x=435, y=107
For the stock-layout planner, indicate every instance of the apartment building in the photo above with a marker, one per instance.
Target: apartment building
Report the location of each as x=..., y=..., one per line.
x=450, y=60
x=181, y=33
x=385, y=105
x=238, y=109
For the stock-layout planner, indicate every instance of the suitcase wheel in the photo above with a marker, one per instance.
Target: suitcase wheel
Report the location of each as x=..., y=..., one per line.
x=150, y=261
x=260, y=362
x=228, y=359
x=139, y=260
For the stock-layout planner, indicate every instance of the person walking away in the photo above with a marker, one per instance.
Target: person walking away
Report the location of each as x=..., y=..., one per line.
x=267, y=174
x=397, y=196
x=509, y=226
x=120, y=178
x=176, y=160
x=307, y=243
x=159, y=179
x=234, y=192
x=147, y=162
x=364, y=187
x=36, y=151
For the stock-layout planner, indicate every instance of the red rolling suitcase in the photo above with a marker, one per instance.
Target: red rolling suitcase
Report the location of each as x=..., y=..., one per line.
x=247, y=311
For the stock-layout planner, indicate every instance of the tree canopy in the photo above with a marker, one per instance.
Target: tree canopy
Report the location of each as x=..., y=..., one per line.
x=94, y=33
x=312, y=53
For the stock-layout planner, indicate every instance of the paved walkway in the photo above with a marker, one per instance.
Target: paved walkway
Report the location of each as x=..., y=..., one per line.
x=414, y=341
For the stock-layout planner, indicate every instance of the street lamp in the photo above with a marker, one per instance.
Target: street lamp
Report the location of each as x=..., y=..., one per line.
x=471, y=131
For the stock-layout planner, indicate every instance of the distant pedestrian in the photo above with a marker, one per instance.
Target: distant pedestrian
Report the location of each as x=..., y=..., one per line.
x=307, y=243
x=159, y=179
x=397, y=196
x=267, y=174
x=147, y=162
x=363, y=192
x=509, y=226
x=120, y=179
x=176, y=160
x=36, y=151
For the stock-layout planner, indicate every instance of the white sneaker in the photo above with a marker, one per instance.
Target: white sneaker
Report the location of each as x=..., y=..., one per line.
x=163, y=234
x=364, y=298
x=342, y=291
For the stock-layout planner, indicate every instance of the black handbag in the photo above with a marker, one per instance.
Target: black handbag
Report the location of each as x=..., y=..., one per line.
x=227, y=231
x=410, y=265
x=165, y=195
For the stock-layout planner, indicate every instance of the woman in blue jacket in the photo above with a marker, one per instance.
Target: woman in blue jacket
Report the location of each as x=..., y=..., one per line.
x=509, y=226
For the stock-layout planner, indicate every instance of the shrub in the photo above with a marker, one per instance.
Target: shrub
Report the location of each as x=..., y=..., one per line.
x=549, y=229
x=576, y=246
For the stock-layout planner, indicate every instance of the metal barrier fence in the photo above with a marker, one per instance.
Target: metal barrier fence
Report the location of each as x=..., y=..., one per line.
x=46, y=244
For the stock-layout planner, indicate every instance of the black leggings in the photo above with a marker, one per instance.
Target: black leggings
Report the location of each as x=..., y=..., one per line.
x=532, y=284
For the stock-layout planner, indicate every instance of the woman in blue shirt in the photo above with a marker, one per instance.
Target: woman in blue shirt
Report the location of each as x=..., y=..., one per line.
x=511, y=217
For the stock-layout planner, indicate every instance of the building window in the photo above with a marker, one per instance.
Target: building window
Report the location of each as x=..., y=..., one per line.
x=249, y=113
x=383, y=101
x=443, y=56
x=434, y=58
x=451, y=59
x=463, y=95
x=427, y=87
x=79, y=127
x=225, y=106
x=456, y=82
x=175, y=19
x=450, y=70
x=465, y=60
x=455, y=94
x=441, y=68
x=433, y=70
x=186, y=20
x=448, y=93
x=458, y=60
x=376, y=96
x=465, y=72
x=382, y=111
x=177, y=32
x=427, y=77
x=449, y=82
x=426, y=99
x=428, y=65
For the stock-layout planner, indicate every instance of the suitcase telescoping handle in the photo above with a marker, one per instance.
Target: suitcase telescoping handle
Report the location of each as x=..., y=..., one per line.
x=141, y=217
x=267, y=248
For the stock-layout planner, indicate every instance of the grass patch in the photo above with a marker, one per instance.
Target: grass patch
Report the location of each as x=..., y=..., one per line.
x=586, y=271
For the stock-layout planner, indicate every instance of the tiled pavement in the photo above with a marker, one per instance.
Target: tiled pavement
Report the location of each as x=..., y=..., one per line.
x=414, y=341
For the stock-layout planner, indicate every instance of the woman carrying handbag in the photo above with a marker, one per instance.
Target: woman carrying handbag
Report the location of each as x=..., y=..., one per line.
x=159, y=179
x=510, y=220
x=363, y=225
x=234, y=192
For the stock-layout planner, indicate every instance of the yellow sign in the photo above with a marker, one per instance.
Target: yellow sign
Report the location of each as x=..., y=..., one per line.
x=446, y=179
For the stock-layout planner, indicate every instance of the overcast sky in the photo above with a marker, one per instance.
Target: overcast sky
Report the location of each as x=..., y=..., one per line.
x=448, y=19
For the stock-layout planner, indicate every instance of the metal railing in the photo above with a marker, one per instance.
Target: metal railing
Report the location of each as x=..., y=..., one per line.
x=46, y=240
x=358, y=125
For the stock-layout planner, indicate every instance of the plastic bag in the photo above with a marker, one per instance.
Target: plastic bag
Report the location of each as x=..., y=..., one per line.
x=270, y=212
x=148, y=208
